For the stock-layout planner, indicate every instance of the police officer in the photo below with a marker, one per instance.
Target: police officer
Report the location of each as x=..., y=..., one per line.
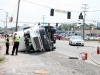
x=16, y=44
x=7, y=44
x=26, y=43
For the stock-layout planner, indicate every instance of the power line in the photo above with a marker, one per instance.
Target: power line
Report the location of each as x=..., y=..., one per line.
x=14, y=9
x=50, y=7
x=45, y=6
x=37, y=4
x=57, y=3
x=63, y=4
x=94, y=11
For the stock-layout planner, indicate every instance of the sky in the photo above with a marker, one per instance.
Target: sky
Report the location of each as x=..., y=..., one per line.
x=32, y=11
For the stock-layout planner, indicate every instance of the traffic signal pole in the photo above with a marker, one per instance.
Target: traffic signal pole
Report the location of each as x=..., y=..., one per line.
x=6, y=22
x=43, y=17
x=84, y=18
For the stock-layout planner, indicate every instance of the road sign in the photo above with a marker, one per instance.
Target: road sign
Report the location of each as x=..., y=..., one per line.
x=61, y=11
x=44, y=23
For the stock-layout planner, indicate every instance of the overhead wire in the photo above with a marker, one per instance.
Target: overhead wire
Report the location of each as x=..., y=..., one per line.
x=14, y=9
x=50, y=7
x=57, y=3
x=44, y=5
x=94, y=11
x=36, y=4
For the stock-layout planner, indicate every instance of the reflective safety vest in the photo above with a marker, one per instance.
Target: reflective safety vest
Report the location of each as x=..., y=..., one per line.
x=16, y=38
x=6, y=40
x=29, y=40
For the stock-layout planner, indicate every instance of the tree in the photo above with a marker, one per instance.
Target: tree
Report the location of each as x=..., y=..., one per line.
x=68, y=26
x=91, y=26
x=63, y=26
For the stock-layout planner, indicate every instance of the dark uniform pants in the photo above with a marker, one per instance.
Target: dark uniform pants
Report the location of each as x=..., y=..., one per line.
x=7, y=48
x=16, y=45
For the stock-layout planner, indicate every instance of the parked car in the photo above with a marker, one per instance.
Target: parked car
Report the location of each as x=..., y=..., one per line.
x=62, y=34
x=98, y=35
x=10, y=35
x=76, y=40
x=56, y=36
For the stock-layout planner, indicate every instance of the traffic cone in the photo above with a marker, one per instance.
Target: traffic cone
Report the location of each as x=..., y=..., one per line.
x=86, y=55
x=98, y=51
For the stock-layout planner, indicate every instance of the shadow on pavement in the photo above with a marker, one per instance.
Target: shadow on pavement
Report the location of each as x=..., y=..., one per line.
x=83, y=46
x=34, y=52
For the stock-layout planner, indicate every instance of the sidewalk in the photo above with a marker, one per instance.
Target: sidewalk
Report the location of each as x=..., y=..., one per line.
x=2, y=51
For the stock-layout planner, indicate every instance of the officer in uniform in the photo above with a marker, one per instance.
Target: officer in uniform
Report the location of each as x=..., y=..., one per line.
x=16, y=44
x=26, y=43
x=7, y=44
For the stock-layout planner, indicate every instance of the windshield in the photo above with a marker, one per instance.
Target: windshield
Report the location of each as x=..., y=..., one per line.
x=76, y=37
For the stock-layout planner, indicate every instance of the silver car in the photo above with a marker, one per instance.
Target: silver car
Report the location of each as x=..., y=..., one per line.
x=76, y=40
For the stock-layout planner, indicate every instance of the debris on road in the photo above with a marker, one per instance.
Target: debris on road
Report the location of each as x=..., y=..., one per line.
x=73, y=58
x=41, y=71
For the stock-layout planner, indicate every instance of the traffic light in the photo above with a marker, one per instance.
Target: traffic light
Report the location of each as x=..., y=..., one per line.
x=69, y=15
x=39, y=23
x=80, y=16
x=52, y=12
x=79, y=23
x=10, y=19
x=56, y=24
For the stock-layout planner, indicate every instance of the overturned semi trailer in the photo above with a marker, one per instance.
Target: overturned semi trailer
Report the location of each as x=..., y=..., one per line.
x=41, y=38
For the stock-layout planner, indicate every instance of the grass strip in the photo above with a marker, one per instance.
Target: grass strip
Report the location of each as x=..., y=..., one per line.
x=1, y=59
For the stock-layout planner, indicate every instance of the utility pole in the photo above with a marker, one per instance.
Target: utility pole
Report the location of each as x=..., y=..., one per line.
x=43, y=17
x=85, y=7
x=17, y=14
x=6, y=22
x=4, y=26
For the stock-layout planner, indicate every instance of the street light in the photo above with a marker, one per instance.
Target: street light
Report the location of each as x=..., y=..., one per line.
x=6, y=19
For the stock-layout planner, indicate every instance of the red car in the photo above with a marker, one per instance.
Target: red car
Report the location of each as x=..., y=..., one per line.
x=97, y=35
x=56, y=36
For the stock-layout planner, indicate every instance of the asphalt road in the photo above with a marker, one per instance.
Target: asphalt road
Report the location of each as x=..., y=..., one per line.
x=63, y=47
x=52, y=62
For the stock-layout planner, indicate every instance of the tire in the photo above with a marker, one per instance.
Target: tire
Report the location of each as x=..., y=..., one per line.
x=82, y=45
x=59, y=38
x=69, y=44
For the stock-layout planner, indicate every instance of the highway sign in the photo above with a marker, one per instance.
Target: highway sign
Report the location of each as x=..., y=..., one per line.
x=44, y=23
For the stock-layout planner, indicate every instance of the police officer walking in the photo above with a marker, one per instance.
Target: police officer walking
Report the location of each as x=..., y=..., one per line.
x=7, y=44
x=16, y=44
